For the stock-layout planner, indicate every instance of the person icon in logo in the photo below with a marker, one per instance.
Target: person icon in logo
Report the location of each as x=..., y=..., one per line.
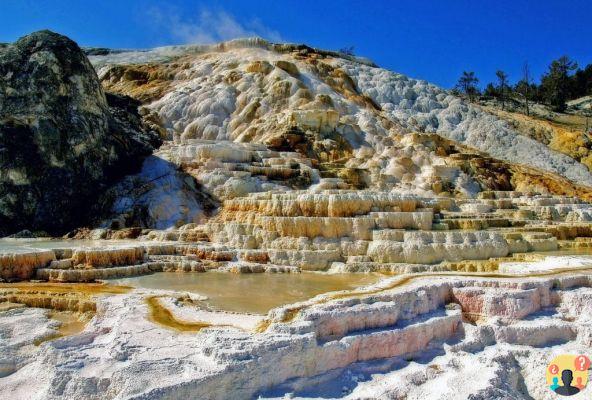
x=567, y=389
x=555, y=384
x=579, y=383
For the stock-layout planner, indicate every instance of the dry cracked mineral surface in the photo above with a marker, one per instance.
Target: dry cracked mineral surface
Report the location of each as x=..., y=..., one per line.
x=255, y=220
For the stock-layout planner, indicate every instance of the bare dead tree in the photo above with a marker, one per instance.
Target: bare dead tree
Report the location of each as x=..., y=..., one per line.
x=524, y=87
x=502, y=79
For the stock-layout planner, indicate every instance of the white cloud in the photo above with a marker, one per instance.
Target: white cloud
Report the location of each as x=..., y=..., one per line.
x=208, y=26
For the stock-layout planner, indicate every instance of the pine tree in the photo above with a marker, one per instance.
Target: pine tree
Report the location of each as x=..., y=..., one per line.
x=490, y=90
x=467, y=84
x=556, y=83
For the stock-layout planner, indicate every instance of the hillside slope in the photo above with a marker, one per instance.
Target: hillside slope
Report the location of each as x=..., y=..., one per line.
x=564, y=133
x=327, y=115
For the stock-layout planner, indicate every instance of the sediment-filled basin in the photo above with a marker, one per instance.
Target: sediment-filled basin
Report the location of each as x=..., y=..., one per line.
x=250, y=293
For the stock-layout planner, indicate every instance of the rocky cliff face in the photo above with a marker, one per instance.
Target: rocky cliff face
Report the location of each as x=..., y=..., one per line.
x=62, y=140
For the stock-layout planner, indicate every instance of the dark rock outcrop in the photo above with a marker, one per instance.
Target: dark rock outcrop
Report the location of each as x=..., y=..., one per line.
x=62, y=140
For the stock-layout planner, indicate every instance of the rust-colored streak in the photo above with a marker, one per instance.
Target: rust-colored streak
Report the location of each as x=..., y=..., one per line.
x=163, y=316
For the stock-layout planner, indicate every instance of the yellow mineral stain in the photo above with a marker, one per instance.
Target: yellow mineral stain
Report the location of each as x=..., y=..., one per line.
x=58, y=296
x=163, y=316
x=262, y=326
x=71, y=323
x=81, y=288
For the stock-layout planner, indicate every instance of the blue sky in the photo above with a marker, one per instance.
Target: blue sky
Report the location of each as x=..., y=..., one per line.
x=432, y=39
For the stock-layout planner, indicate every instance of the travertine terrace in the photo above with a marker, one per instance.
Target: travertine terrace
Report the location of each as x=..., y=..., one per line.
x=287, y=159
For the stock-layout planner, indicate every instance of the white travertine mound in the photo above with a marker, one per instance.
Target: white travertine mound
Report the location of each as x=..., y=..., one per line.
x=104, y=257
x=334, y=122
x=22, y=265
x=20, y=328
x=476, y=208
x=433, y=247
x=333, y=230
x=180, y=181
x=547, y=263
x=248, y=90
x=228, y=170
x=372, y=231
x=419, y=105
x=167, y=52
x=166, y=195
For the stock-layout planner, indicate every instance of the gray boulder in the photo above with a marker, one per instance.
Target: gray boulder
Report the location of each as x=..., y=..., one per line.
x=63, y=142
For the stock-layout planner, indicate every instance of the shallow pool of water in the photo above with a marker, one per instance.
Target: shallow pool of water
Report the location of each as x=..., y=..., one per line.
x=250, y=293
